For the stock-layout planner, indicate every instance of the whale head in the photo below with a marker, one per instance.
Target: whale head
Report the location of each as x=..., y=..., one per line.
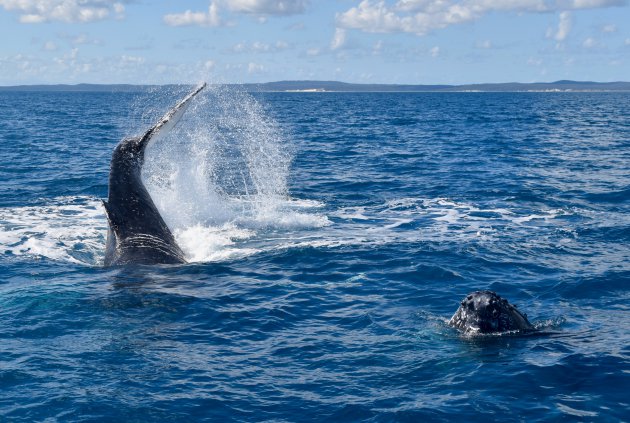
x=485, y=312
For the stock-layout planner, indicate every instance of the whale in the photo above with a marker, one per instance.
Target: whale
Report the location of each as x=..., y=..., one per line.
x=486, y=313
x=137, y=233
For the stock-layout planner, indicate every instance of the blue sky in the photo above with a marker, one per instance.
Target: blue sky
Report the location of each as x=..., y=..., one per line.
x=367, y=41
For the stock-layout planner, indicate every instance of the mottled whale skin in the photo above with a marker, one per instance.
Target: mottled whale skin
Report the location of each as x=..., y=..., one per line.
x=485, y=312
x=137, y=233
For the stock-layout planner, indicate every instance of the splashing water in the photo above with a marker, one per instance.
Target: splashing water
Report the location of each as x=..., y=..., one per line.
x=219, y=179
x=221, y=175
x=68, y=229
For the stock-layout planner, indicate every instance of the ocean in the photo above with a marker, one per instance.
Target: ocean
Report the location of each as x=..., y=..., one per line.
x=330, y=237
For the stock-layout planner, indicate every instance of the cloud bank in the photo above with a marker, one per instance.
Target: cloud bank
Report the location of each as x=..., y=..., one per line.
x=423, y=16
x=267, y=7
x=70, y=11
x=195, y=18
x=261, y=8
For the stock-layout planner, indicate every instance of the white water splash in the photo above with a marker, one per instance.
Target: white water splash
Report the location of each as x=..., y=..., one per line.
x=219, y=180
x=70, y=229
x=73, y=229
x=220, y=177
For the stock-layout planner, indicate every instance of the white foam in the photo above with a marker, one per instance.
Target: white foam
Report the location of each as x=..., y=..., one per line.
x=354, y=213
x=304, y=204
x=73, y=229
x=398, y=222
x=546, y=216
x=435, y=219
x=69, y=229
x=203, y=244
x=245, y=235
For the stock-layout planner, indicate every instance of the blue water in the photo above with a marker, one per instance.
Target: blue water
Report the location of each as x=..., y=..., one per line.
x=331, y=235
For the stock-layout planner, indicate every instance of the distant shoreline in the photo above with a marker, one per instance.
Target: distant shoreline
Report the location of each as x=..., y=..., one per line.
x=335, y=86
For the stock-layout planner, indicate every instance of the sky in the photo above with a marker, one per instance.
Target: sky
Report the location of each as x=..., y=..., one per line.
x=362, y=41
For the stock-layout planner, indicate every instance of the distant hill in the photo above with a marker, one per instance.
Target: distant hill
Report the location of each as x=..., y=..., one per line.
x=339, y=86
x=78, y=87
x=335, y=86
x=496, y=87
x=547, y=86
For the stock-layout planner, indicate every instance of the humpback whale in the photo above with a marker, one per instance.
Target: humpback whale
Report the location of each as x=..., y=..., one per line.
x=137, y=233
x=485, y=312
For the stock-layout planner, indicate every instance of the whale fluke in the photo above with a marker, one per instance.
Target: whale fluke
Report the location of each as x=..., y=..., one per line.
x=137, y=233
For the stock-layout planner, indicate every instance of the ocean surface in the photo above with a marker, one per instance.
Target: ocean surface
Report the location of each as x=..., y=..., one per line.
x=330, y=238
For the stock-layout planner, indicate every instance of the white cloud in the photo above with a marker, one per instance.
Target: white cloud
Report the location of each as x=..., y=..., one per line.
x=339, y=39
x=434, y=51
x=366, y=76
x=38, y=11
x=609, y=28
x=589, y=43
x=486, y=44
x=259, y=47
x=255, y=68
x=267, y=7
x=209, y=65
x=50, y=46
x=313, y=52
x=239, y=48
x=423, y=16
x=132, y=60
x=81, y=39
x=195, y=18
x=549, y=33
x=588, y=4
x=533, y=61
x=627, y=42
x=564, y=26
x=260, y=8
x=68, y=60
x=72, y=66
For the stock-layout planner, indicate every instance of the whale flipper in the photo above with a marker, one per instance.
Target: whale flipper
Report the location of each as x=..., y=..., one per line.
x=137, y=232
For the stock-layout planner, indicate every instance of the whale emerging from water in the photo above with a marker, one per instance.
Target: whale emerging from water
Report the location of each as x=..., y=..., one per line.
x=137, y=233
x=485, y=312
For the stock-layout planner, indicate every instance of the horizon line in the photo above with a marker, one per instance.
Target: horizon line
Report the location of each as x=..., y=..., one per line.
x=560, y=81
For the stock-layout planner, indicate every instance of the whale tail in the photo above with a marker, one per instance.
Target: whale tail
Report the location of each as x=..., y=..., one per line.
x=137, y=232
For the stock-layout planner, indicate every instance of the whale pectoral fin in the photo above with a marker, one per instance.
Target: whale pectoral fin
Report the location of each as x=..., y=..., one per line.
x=170, y=119
x=111, y=220
x=112, y=238
x=106, y=207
